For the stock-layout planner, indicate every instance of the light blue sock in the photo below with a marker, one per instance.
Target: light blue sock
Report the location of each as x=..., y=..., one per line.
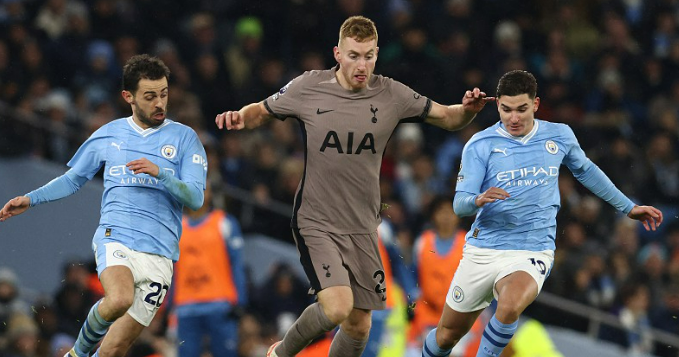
x=495, y=337
x=431, y=348
x=92, y=332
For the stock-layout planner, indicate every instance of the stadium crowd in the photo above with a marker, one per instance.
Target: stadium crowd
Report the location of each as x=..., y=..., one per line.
x=608, y=68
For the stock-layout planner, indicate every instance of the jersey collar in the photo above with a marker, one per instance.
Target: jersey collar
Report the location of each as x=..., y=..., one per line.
x=148, y=131
x=522, y=139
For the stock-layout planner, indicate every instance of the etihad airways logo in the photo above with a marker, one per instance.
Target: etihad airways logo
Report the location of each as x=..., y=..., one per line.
x=527, y=176
x=126, y=177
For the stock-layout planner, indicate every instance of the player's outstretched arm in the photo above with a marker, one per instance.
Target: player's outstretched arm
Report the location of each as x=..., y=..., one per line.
x=15, y=206
x=456, y=117
x=650, y=216
x=249, y=117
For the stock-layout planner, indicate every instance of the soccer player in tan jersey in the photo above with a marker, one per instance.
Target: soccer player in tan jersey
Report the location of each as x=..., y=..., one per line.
x=347, y=115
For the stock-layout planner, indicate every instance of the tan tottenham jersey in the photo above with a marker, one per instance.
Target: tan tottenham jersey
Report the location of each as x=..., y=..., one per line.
x=345, y=134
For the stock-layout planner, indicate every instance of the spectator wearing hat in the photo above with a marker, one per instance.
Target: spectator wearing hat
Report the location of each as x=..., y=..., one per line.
x=10, y=303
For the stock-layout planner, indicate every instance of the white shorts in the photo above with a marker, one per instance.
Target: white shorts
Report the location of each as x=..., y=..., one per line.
x=473, y=286
x=152, y=277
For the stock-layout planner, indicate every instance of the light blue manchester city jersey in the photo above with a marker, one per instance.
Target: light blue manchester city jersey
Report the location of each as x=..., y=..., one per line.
x=137, y=210
x=528, y=169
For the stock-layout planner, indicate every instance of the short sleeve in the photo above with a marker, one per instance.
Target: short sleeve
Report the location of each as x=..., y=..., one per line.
x=286, y=102
x=472, y=169
x=89, y=158
x=576, y=160
x=411, y=105
x=194, y=162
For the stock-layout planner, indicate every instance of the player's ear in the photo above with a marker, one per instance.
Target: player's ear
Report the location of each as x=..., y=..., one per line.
x=127, y=95
x=336, y=53
x=536, y=103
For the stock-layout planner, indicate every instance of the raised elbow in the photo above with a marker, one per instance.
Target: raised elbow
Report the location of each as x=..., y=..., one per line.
x=196, y=203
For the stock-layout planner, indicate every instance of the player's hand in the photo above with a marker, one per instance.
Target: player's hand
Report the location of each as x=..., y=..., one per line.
x=650, y=216
x=474, y=100
x=15, y=206
x=491, y=195
x=231, y=120
x=143, y=166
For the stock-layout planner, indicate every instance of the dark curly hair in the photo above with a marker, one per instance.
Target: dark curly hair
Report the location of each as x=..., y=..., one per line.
x=143, y=67
x=517, y=82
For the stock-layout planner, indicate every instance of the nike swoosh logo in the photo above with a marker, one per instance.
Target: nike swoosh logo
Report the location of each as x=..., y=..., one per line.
x=319, y=111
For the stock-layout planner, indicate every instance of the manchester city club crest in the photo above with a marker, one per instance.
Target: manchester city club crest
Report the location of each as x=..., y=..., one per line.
x=120, y=254
x=551, y=147
x=458, y=294
x=168, y=151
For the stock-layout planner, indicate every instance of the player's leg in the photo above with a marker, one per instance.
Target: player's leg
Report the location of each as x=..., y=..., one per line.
x=120, y=337
x=118, y=283
x=470, y=292
x=152, y=277
x=377, y=329
x=361, y=255
x=318, y=318
x=189, y=335
x=352, y=337
x=515, y=292
x=322, y=264
x=452, y=326
x=517, y=287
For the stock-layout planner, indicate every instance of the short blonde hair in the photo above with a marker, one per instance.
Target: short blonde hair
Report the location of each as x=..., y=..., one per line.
x=359, y=28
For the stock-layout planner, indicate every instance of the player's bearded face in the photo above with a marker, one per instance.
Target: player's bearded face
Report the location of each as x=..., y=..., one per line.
x=150, y=102
x=517, y=113
x=357, y=61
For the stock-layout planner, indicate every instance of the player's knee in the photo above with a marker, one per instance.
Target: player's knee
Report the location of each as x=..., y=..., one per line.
x=358, y=330
x=118, y=305
x=337, y=311
x=448, y=337
x=509, y=310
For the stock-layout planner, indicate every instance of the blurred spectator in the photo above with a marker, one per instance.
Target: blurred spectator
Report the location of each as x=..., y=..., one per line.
x=664, y=317
x=209, y=82
x=54, y=16
x=663, y=166
x=633, y=315
x=281, y=299
x=106, y=20
x=652, y=262
x=436, y=255
x=209, y=291
x=623, y=164
x=244, y=54
x=73, y=299
x=22, y=332
x=11, y=303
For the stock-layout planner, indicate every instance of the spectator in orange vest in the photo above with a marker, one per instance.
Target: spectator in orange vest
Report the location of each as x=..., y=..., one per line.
x=437, y=254
x=210, y=286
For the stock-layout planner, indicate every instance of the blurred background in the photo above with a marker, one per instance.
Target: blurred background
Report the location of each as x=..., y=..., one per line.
x=608, y=68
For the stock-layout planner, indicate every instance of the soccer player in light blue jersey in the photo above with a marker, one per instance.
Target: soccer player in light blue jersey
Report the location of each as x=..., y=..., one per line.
x=153, y=167
x=508, y=178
